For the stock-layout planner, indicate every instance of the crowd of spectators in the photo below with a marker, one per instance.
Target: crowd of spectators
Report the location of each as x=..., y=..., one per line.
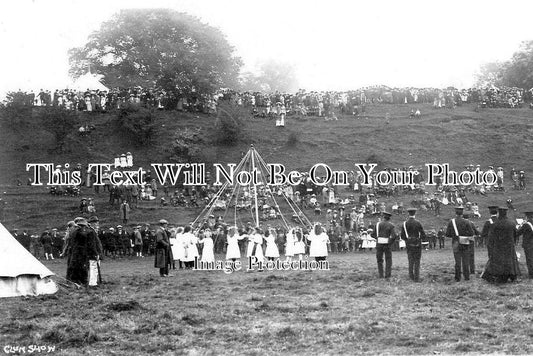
x=314, y=103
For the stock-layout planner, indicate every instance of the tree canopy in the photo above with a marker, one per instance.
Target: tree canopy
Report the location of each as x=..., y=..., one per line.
x=161, y=48
x=516, y=72
x=272, y=76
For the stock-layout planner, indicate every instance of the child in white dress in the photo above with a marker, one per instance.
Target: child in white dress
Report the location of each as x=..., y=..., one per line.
x=208, y=253
x=271, y=251
x=233, y=252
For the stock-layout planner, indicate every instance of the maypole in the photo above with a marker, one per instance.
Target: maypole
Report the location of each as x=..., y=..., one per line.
x=252, y=149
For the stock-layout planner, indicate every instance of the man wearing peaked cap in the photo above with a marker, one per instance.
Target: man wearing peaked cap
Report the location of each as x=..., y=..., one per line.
x=413, y=234
x=493, y=211
x=503, y=263
x=385, y=236
x=461, y=233
x=471, y=246
x=526, y=231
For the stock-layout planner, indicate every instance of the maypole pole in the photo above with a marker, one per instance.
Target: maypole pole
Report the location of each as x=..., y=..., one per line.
x=255, y=188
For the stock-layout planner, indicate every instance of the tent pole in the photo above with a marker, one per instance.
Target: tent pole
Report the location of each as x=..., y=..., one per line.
x=255, y=189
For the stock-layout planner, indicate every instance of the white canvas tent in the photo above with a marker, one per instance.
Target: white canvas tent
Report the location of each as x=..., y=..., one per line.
x=88, y=81
x=21, y=274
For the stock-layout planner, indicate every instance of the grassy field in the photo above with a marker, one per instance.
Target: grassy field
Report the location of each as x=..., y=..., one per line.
x=344, y=310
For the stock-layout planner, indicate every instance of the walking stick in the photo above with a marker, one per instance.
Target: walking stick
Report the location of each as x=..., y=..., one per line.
x=99, y=271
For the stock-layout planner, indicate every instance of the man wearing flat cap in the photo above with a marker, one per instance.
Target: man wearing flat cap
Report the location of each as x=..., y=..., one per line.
x=461, y=233
x=526, y=231
x=162, y=249
x=503, y=263
x=413, y=234
x=83, y=248
x=385, y=235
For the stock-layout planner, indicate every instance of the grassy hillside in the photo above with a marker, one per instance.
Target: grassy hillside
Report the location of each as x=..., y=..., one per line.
x=499, y=137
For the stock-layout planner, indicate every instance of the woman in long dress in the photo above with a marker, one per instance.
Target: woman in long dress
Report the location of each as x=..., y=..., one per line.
x=271, y=251
x=319, y=243
x=208, y=253
x=233, y=252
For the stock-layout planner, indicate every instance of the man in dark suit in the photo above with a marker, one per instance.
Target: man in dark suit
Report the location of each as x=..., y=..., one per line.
x=413, y=234
x=493, y=210
x=83, y=248
x=162, y=249
x=461, y=233
x=526, y=231
x=385, y=235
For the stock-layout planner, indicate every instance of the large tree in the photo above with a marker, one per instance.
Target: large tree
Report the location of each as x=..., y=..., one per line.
x=158, y=47
x=519, y=70
x=272, y=76
x=491, y=74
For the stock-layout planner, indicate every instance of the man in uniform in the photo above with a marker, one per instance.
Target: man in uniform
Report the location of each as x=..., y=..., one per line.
x=413, y=234
x=162, y=249
x=460, y=230
x=385, y=235
x=472, y=245
x=502, y=264
x=493, y=210
x=526, y=231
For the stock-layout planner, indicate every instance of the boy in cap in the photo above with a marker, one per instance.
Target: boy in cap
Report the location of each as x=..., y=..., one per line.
x=461, y=233
x=526, y=231
x=413, y=234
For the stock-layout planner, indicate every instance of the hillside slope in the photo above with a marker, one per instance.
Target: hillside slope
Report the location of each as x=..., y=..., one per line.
x=499, y=137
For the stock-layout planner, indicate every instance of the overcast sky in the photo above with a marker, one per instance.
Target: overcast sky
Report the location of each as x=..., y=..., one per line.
x=334, y=44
